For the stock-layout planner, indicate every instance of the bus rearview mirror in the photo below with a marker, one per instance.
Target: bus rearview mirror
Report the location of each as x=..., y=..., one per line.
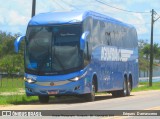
x=83, y=39
x=17, y=43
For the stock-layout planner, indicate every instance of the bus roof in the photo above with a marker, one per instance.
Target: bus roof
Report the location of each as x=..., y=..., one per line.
x=70, y=17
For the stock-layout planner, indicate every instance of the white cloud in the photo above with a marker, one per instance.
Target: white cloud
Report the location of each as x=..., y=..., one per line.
x=1, y=20
x=139, y=22
x=15, y=14
x=135, y=19
x=2, y=15
x=14, y=18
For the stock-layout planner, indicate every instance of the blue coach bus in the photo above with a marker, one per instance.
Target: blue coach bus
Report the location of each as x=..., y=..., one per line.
x=79, y=53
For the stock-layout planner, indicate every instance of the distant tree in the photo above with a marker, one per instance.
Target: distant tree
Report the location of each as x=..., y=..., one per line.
x=10, y=62
x=142, y=43
x=143, y=63
x=146, y=51
x=144, y=55
x=156, y=50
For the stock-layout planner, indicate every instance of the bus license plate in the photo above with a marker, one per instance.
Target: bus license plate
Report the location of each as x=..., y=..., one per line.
x=52, y=92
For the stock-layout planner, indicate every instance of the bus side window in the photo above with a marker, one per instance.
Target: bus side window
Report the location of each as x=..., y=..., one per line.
x=108, y=38
x=86, y=54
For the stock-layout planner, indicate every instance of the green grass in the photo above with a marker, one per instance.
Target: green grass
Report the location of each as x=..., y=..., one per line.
x=11, y=84
x=12, y=87
x=143, y=86
x=17, y=99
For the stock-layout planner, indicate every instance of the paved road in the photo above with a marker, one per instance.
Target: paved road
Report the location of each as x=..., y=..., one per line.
x=137, y=101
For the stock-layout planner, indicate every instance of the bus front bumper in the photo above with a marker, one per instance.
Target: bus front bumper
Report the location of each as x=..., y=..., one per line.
x=71, y=88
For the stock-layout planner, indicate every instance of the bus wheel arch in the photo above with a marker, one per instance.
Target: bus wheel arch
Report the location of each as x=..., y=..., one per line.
x=95, y=80
x=123, y=92
x=91, y=96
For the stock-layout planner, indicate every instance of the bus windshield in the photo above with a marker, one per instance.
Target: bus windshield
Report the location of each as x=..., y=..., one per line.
x=53, y=49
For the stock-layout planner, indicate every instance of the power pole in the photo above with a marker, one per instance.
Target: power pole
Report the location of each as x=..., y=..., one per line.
x=151, y=50
x=33, y=7
x=151, y=47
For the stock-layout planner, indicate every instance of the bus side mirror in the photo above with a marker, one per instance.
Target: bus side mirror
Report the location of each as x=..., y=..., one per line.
x=83, y=39
x=17, y=43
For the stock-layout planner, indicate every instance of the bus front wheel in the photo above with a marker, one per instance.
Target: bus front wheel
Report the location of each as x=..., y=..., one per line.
x=43, y=99
x=91, y=96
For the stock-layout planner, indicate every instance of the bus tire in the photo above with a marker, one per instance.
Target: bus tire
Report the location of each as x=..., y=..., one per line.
x=91, y=96
x=43, y=99
x=123, y=92
x=129, y=87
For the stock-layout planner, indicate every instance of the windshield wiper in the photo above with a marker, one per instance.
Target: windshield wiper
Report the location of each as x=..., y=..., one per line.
x=43, y=61
x=63, y=68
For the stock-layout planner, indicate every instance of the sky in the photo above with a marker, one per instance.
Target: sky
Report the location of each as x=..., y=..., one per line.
x=15, y=14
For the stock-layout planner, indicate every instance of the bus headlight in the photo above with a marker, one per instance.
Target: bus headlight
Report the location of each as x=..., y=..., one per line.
x=29, y=80
x=78, y=77
x=74, y=79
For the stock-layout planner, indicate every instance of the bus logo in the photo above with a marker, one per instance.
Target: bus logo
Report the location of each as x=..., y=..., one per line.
x=52, y=84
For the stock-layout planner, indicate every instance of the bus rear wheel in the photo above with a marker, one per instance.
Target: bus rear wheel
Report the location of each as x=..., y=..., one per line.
x=129, y=87
x=91, y=96
x=43, y=99
x=121, y=93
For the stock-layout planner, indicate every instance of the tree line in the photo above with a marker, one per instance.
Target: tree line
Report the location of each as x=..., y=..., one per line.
x=11, y=63
x=144, y=55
